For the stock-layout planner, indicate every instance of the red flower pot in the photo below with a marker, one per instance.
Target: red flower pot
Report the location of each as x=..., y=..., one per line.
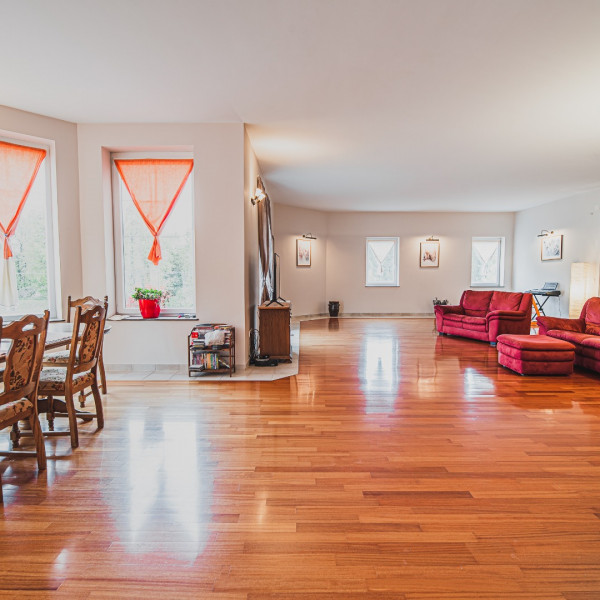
x=150, y=309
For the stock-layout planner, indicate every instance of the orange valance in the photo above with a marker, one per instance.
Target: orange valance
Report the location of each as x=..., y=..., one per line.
x=19, y=166
x=154, y=186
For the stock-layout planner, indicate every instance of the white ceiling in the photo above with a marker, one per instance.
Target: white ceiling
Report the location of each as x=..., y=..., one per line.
x=351, y=104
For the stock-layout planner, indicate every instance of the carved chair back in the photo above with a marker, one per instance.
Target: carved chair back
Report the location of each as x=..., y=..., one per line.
x=24, y=357
x=85, y=302
x=85, y=349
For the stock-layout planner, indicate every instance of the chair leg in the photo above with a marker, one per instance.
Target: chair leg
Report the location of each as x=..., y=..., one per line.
x=1, y=496
x=38, y=438
x=81, y=399
x=50, y=413
x=72, y=419
x=15, y=435
x=102, y=373
x=98, y=403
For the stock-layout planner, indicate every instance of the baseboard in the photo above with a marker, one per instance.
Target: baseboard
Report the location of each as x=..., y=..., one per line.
x=367, y=315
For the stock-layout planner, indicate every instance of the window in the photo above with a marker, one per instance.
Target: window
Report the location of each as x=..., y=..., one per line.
x=382, y=261
x=33, y=263
x=487, y=262
x=175, y=272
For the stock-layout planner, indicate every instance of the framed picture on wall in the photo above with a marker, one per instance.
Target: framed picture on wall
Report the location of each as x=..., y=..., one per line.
x=430, y=254
x=552, y=247
x=303, y=253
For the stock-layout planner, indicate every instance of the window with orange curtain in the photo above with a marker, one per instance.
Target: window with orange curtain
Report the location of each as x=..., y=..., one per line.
x=175, y=271
x=32, y=243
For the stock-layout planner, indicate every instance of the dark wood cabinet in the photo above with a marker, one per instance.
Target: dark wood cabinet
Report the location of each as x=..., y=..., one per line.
x=274, y=331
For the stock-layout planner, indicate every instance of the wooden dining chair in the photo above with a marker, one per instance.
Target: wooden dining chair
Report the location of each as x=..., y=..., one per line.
x=18, y=399
x=55, y=359
x=80, y=372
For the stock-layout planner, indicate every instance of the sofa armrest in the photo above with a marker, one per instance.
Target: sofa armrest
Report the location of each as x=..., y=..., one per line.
x=547, y=323
x=515, y=322
x=511, y=315
x=444, y=309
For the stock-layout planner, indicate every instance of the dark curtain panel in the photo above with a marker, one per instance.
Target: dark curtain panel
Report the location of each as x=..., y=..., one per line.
x=266, y=250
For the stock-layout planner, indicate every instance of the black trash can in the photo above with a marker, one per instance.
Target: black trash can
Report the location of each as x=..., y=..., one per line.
x=334, y=308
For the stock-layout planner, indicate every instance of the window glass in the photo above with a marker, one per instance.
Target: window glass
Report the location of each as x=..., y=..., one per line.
x=382, y=261
x=175, y=271
x=32, y=247
x=487, y=262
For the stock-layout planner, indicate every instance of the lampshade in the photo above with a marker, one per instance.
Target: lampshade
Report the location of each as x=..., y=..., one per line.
x=584, y=285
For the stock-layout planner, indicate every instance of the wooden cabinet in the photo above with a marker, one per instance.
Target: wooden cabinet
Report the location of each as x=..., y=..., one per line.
x=274, y=331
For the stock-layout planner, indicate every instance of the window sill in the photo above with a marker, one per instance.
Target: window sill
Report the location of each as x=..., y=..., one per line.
x=160, y=318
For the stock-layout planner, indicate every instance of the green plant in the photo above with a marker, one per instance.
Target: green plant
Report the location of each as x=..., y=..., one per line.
x=150, y=294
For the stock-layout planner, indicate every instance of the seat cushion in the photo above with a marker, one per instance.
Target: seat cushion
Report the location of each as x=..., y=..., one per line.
x=60, y=358
x=456, y=320
x=474, y=323
x=540, y=343
x=476, y=303
x=16, y=408
x=505, y=301
x=568, y=336
x=52, y=380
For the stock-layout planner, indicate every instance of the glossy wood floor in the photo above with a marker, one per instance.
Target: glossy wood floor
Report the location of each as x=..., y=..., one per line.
x=396, y=465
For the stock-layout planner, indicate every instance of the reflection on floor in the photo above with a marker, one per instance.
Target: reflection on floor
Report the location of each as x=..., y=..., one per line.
x=396, y=465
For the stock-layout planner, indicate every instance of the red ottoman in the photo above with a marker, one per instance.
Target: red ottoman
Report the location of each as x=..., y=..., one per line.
x=535, y=354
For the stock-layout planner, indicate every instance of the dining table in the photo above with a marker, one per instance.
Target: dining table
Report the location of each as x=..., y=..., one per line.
x=60, y=334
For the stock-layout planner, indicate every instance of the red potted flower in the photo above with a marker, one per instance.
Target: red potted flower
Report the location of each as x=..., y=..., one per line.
x=149, y=301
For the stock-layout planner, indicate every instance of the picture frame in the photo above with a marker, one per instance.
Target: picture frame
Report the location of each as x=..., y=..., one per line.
x=303, y=253
x=429, y=255
x=551, y=248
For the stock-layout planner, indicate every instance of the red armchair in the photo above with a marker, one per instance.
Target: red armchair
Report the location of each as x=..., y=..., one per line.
x=583, y=333
x=486, y=315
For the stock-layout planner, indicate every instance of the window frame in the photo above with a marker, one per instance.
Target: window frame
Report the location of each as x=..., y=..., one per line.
x=52, y=240
x=116, y=201
x=501, y=241
x=396, y=241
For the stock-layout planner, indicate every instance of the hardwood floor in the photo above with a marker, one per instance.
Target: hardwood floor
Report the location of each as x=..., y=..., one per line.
x=395, y=465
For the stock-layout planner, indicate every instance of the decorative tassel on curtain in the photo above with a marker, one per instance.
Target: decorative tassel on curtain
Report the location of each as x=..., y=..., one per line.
x=154, y=186
x=19, y=166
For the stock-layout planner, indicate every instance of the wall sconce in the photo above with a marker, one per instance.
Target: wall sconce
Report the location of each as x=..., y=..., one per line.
x=260, y=193
x=545, y=232
x=308, y=236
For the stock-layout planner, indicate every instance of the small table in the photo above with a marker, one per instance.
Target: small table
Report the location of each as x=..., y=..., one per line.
x=535, y=354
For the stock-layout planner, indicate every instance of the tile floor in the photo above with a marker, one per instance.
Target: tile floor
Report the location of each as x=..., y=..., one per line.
x=250, y=373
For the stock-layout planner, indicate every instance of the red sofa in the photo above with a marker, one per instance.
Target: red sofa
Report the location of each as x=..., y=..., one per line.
x=483, y=315
x=583, y=333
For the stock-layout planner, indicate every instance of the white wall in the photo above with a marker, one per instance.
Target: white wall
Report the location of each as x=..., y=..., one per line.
x=346, y=258
x=338, y=257
x=304, y=286
x=578, y=220
x=219, y=229
x=64, y=136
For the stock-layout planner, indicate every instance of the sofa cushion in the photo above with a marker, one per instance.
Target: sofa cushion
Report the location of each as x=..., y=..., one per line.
x=474, y=323
x=505, y=301
x=592, y=329
x=455, y=319
x=568, y=336
x=540, y=343
x=476, y=303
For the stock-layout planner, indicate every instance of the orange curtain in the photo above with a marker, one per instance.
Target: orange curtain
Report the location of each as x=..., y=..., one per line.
x=154, y=186
x=18, y=167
